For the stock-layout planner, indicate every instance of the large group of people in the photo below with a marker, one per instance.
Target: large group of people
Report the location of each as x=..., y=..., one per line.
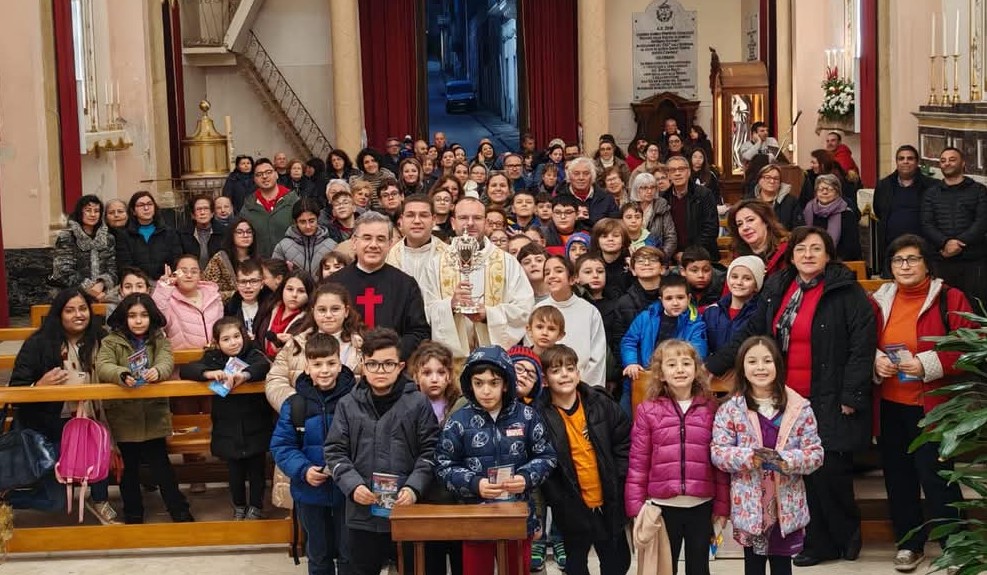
x=436, y=327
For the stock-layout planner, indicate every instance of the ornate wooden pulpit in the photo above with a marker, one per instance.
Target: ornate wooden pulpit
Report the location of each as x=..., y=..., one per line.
x=500, y=522
x=740, y=98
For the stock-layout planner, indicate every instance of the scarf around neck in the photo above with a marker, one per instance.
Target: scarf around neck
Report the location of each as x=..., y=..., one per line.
x=787, y=319
x=834, y=225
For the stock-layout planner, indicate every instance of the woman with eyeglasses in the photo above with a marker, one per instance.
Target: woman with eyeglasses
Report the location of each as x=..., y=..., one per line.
x=238, y=245
x=913, y=308
x=772, y=190
x=147, y=243
x=85, y=252
x=825, y=326
x=444, y=194
x=830, y=211
x=657, y=214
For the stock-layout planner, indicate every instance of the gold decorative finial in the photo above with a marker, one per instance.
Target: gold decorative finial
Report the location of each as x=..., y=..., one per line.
x=204, y=106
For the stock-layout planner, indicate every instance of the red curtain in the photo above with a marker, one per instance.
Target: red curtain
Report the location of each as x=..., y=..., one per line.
x=68, y=112
x=390, y=41
x=867, y=92
x=551, y=67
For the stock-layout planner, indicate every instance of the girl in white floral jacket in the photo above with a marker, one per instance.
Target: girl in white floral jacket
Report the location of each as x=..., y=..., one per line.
x=765, y=437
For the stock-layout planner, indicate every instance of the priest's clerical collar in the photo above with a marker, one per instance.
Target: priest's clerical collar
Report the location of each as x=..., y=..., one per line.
x=421, y=247
x=367, y=270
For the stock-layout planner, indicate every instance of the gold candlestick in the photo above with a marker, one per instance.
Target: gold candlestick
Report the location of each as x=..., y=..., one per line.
x=933, y=99
x=945, y=83
x=956, y=79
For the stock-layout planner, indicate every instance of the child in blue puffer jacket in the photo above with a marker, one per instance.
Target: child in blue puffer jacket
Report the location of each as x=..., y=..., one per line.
x=299, y=451
x=494, y=448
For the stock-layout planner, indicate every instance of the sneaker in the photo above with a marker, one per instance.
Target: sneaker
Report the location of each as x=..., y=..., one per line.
x=254, y=513
x=103, y=511
x=907, y=560
x=537, y=556
x=197, y=488
x=239, y=513
x=558, y=549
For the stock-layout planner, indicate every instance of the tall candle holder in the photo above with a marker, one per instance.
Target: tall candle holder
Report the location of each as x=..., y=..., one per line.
x=945, y=83
x=933, y=99
x=956, y=79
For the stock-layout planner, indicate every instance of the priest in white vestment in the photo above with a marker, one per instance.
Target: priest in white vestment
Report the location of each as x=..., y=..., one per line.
x=417, y=251
x=498, y=287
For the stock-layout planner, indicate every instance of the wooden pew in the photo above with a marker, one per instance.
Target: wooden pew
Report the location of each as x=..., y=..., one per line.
x=151, y=535
x=40, y=312
x=500, y=522
x=871, y=286
x=859, y=268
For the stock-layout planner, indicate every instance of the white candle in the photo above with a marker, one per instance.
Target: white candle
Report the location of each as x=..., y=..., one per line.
x=117, y=102
x=932, y=36
x=956, y=50
x=943, y=33
x=106, y=86
x=827, y=58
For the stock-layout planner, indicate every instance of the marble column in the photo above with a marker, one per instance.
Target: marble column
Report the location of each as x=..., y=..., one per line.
x=594, y=91
x=347, y=84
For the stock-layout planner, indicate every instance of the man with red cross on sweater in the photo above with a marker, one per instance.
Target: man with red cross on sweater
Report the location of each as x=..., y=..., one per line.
x=382, y=294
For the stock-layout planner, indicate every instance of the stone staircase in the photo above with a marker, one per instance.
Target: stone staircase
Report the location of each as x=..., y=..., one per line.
x=218, y=33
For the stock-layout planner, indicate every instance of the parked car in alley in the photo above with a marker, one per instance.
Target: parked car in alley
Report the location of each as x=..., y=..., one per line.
x=460, y=96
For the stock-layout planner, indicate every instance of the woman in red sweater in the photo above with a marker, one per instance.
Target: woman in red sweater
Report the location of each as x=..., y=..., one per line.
x=907, y=368
x=825, y=326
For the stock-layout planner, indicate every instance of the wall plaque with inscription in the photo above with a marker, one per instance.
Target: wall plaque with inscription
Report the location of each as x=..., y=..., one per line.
x=665, y=54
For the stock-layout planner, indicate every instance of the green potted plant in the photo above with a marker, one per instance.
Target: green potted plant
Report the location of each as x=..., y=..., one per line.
x=960, y=427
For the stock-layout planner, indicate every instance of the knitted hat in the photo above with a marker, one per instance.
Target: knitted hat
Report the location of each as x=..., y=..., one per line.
x=577, y=238
x=521, y=353
x=754, y=264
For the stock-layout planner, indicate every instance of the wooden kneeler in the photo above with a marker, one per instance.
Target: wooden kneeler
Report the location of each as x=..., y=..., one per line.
x=500, y=522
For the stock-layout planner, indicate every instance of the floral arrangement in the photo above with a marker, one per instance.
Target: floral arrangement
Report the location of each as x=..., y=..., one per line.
x=838, y=99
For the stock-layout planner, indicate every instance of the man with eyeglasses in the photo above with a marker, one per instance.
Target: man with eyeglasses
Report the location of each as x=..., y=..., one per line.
x=268, y=209
x=564, y=223
x=416, y=252
x=384, y=295
x=693, y=210
x=954, y=221
x=514, y=170
x=581, y=184
x=391, y=197
x=898, y=203
x=392, y=155
x=497, y=286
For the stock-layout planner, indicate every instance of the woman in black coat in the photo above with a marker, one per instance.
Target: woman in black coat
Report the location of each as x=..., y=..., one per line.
x=240, y=183
x=146, y=243
x=830, y=360
x=829, y=211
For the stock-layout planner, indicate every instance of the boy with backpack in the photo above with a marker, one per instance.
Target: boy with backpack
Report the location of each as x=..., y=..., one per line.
x=298, y=449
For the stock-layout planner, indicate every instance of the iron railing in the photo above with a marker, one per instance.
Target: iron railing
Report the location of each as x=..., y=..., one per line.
x=205, y=22
x=268, y=73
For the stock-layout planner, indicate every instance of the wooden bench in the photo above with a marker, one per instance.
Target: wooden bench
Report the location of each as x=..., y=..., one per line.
x=183, y=441
x=151, y=535
x=40, y=312
x=859, y=268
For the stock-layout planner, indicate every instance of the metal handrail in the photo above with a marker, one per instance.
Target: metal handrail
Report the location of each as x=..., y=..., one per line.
x=303, y=122
x=205, y=22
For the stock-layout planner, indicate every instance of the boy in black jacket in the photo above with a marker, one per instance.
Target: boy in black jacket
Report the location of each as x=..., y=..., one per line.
x=591, y=435
x=383, y=436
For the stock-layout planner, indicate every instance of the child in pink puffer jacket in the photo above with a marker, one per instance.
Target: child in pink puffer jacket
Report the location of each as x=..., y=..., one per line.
x=669, y=458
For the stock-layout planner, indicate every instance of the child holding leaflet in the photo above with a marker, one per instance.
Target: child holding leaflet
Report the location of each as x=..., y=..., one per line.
x=499, y=469
x=669, y=462
x=380, y=450
x=137, y=353
x=765, y=436
x=242, y=423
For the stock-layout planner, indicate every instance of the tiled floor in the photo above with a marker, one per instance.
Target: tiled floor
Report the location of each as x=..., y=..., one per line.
x=270, y=562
